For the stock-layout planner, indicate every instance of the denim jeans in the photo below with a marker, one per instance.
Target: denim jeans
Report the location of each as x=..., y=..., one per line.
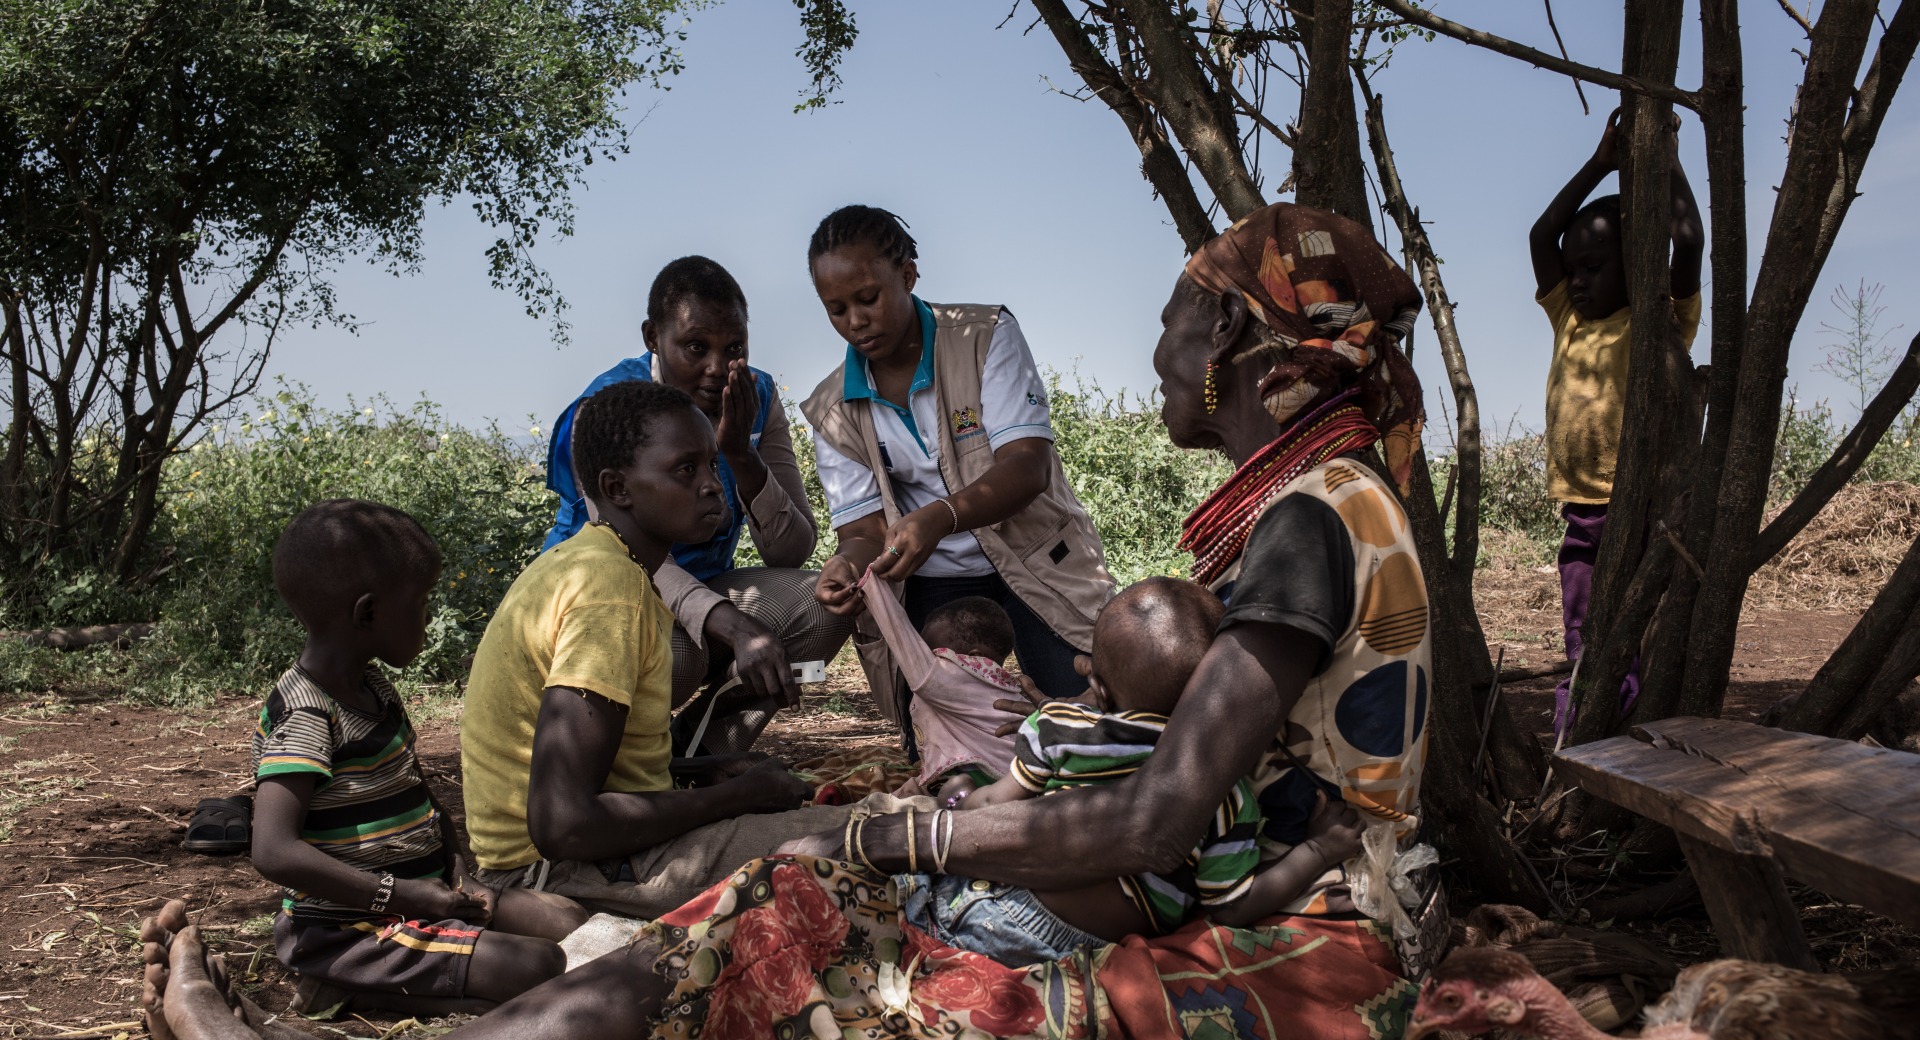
x=1004, y=922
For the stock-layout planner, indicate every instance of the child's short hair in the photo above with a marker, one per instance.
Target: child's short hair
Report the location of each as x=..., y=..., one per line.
x=870, y=225
x=972, y=625
x=338, y=550
x=1605, y=209
x=693, y=277
x=609, y=426
x=1149, y=640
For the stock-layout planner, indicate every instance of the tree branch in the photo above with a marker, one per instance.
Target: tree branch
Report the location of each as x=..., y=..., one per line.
x=1562, y=44
x=1837, y=684
x=1798, y=18
x=1183, y=99
x=1538, y=58
x=1466, y=453
x=1847, y=458
x=1891, y=57
x=1159, y=161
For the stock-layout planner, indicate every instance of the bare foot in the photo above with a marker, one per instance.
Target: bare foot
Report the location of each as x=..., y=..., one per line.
x=186, y=993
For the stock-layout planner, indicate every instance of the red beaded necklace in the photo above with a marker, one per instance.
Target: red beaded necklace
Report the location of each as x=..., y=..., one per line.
x=1217, y=531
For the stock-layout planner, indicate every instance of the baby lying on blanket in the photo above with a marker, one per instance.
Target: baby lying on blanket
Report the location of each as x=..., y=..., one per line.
x=1149, y=640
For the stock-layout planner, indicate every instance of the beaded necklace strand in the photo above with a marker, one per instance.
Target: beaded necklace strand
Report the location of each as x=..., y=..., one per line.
x=1217, y=531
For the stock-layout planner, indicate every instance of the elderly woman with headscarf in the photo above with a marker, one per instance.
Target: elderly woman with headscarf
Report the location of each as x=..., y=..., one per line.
x=1280, y=348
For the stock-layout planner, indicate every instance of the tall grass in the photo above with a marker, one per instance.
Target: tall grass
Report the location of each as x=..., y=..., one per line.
x=481, y=494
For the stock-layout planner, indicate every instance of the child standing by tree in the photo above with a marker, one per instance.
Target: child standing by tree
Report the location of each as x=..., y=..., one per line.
x=1580, y=274
x=378, y=904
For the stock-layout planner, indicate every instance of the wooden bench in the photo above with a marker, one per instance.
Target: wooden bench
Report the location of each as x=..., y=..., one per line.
x=1750, y=803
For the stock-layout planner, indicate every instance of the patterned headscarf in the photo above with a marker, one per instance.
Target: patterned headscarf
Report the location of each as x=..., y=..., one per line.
x=1335, y=307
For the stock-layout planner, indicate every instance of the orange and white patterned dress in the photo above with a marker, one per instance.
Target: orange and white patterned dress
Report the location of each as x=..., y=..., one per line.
x=1360, y=726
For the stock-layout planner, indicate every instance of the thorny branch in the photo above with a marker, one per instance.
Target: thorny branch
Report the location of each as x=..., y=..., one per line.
x=1502, y=45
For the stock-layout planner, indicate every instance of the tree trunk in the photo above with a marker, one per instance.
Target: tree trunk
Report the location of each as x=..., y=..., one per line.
x=1723, y=120
x=1895, y=674
x=1655, y=435
x=1781, y=289
x=13, y=470
x=1327, y=172
x=1469, y=825
x=1188, y=104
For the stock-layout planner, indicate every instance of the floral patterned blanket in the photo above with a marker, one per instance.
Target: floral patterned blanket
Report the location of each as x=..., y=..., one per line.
x=798, y=948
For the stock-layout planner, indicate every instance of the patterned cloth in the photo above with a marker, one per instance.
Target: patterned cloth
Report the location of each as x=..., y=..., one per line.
x=1337, y=307
x=1360, y=726
x=370, y=808
x=845, y=777
x=1066, y=745
x=811, y=948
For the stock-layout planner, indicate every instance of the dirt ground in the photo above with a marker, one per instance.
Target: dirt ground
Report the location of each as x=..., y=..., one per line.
x=95, y=795
x=94, y=800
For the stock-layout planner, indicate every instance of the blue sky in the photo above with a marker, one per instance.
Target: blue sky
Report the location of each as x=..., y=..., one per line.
x=1022, y=196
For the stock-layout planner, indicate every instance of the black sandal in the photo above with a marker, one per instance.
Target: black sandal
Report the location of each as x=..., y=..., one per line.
x=221, y=826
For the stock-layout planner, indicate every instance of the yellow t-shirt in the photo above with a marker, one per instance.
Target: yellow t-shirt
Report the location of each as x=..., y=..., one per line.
x=583, y=615
x=1587, y=393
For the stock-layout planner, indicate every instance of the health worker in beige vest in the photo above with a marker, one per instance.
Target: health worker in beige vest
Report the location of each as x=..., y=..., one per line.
x=936, y=453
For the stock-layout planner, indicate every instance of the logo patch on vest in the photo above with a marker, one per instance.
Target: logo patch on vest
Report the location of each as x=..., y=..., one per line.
x=966, y=422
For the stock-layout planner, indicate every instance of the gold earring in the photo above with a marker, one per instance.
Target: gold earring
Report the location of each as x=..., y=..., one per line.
x=1210, y=392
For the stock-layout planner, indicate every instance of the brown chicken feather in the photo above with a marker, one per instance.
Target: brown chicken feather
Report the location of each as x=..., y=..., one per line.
x=1748, y=1000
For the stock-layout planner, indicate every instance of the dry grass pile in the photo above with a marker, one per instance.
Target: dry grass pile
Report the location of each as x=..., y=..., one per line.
x=1846, y=554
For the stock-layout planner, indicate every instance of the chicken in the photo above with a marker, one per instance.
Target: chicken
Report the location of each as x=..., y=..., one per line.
x=1476, y=990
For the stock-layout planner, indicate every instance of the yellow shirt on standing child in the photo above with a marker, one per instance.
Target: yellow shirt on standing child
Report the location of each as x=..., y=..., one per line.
x=1587, y=393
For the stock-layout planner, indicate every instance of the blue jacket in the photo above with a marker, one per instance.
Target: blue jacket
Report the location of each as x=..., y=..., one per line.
x=704, y=560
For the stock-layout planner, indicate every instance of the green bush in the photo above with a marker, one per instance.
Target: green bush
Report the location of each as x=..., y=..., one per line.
x=479, y=493
x=1135, y=484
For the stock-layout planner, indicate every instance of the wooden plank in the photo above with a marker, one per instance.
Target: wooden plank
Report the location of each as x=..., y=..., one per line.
x=1871, y=781
x=1747, y=900
x=1694, y=796
x=1834, y=847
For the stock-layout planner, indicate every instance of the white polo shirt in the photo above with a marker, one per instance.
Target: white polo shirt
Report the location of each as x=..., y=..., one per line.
x=1013, y=406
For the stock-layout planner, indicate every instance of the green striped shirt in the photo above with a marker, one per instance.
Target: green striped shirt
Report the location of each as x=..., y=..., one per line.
x=1066, y=745
x=370, y=808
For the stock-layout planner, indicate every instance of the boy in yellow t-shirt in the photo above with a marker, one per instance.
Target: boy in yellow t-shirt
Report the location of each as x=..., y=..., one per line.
x=1580, y=275
x=568, y=767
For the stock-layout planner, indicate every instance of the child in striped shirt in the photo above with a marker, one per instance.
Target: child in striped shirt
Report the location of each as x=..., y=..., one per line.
x=1147, y=643
x=379, y=910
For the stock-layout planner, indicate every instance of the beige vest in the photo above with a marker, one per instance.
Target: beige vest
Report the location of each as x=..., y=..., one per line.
x=1048, y=553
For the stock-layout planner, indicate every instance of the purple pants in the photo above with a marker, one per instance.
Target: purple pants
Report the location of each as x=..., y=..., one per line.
x=1578, y=550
